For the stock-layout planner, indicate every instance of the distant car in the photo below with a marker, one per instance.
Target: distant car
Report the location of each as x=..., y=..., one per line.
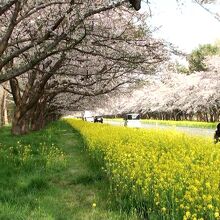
x=132, y=120
x=89, y=119
x=217, y=134
x=98, y=119
x=88, y=116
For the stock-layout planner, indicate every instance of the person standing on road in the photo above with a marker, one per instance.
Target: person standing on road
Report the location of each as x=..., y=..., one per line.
x=217, y=134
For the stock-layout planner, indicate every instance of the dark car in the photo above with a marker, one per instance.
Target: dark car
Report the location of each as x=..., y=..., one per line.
x=98, y=119
x=217, y=134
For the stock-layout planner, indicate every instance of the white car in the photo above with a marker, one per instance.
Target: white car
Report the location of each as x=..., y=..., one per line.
x=89, y=119
x=88, y=116
x=132, y=120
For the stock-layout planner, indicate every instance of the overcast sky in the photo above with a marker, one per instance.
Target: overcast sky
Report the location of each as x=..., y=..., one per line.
x=186, y=26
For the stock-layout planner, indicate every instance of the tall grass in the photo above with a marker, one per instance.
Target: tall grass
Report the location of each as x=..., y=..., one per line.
x=26, y=164
x=158, y=174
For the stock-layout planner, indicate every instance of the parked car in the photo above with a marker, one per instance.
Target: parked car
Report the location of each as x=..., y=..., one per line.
x=88, y=116
x=132, y=120
x=98, y=119
x=89, y=119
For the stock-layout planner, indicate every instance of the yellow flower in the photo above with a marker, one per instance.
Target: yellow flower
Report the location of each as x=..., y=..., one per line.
x=216, y=214
x=208, y=185
x=209, y=206
x=163, y=209
x=188, y=214
x=181, y=206
x=133, y=159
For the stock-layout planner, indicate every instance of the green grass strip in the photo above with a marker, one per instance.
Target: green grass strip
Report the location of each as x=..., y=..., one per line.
x=49, y=175
x=195, y=124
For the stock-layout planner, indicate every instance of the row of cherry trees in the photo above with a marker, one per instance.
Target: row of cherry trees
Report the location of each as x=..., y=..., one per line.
x=54, y=54
x=175, y=96
x=58, y=55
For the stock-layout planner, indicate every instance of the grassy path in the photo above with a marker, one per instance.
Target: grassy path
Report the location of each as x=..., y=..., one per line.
x=75, y=191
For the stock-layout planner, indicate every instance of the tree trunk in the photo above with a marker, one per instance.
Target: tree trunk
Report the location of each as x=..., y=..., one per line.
x=38, y=116
x=38, y=123
x=1, y=96
x=4, y=110
x=215, y=115
x=211, y=117
x=20, y=124
x=206, y=117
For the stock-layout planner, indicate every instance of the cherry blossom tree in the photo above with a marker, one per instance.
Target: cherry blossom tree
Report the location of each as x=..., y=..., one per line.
x=41, y=29
x=170, y=95
x=90, y=56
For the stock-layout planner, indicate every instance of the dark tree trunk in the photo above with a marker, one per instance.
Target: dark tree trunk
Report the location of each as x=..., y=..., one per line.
x=211, y=117
x=136, y=4
x=38, y=116
x=20, y=124
x=206, y=117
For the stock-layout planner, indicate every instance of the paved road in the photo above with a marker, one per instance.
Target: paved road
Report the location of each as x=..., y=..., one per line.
x=193, y=131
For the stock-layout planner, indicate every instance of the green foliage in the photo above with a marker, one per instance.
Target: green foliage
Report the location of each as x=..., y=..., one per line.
x=197, y=57
x=182, y=69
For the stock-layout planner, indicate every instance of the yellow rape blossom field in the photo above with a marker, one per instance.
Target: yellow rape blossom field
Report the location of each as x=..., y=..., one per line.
x=155, y=173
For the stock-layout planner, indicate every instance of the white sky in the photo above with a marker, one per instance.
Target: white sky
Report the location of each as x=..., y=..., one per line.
x=186, y=26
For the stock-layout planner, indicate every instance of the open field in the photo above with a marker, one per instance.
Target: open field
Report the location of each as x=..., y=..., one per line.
x=122, y=174
x=48, y=175
x=195, y=124
x=158, y=174
x=193, y=131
